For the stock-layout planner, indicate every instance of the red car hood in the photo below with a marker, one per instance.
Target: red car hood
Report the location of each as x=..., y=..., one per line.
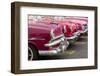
x=43, y=26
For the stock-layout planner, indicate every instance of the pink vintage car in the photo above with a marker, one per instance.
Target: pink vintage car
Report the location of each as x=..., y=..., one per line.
x=45, y=39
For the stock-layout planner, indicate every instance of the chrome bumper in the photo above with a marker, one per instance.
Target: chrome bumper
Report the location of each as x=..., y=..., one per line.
x=63, y=44
x=82, y=32
x=72, y=39
x=53, y=43
x=77, y=33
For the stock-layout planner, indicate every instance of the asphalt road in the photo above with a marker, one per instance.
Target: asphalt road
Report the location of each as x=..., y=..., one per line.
x=78, y=50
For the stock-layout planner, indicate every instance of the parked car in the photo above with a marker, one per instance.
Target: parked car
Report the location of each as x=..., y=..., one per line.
x=82, y=24
x=69, y=29
x=45, y=39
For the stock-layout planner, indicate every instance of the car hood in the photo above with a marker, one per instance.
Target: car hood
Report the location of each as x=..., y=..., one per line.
x=43, y=26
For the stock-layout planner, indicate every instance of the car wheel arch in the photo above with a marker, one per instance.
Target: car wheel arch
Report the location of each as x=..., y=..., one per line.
x=33, y=45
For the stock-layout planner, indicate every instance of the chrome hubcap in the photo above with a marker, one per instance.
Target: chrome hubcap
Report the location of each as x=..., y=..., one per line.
x=30, y=54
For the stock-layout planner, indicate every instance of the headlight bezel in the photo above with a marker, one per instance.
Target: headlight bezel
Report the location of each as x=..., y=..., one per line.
x=65, y=30
x=52, y=34
x=71, y=27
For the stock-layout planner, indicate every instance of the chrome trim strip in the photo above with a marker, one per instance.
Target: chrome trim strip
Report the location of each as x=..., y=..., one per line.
x=77, y=33
x=53, y=43
x=47, y=52
x=64, y=28
x=84, y=31
x=62, y=35
x=33, y=38
x=52, y=34
x=73, y=37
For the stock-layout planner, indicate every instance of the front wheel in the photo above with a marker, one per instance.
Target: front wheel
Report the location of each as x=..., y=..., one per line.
x=32, y=53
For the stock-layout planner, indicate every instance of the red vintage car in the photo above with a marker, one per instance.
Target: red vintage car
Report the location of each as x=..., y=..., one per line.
x=45, y=39
x=82, y=23
x=69, y=29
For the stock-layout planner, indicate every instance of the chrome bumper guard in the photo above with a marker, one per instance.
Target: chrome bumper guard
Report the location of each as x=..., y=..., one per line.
x=63, y=44
x=53, y=43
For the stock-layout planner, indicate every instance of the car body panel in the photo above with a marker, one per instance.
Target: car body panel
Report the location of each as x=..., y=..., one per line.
x=39, y=34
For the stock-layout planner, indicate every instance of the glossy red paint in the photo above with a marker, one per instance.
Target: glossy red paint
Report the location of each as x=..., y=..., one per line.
x=39, y=34
x=69, y=28
x=80, y=22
